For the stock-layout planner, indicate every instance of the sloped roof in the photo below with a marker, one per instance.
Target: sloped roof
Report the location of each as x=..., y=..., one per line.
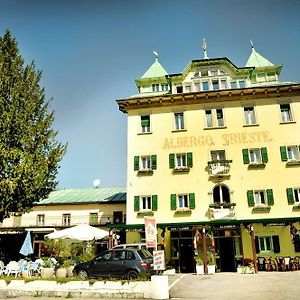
x=90, y=195
x=156, y=70
x=257, y=60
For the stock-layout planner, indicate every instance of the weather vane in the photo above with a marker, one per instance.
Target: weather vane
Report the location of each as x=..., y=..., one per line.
x=251, y=44
x=155, y=53
x=204, y=47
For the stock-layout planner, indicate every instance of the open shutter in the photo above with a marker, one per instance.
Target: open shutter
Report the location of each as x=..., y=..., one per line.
x=189, y=157
x=270, y=197
x=173, y=201
x=145, y=121
x=276, y=244
x=283, y=153
x=246, y=156
x=153, y=162
x=290, y=195
x=296, y=241
x=250, y=197
x=172, y=161
x=136, y=163
x=256, y=245
x=136, y=203
x=192, y=200
x=264, y=154
x=154, y=202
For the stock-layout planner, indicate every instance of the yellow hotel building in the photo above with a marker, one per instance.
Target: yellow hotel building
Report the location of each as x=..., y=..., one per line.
x=215, y=147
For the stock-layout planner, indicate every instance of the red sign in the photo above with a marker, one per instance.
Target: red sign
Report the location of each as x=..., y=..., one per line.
x=150, y=232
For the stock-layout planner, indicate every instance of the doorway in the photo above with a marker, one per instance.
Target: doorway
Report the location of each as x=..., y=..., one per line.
x=227, y=254
x=186, y=261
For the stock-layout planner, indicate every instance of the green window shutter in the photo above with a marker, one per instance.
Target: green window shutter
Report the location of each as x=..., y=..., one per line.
x=290, y=195
x=189, y=157
x=296, y=241
x=246, y=156
x=145, y=122
x=136, y=203
x=153, y=162
x=172, y=161
x=192, y=201
x=283, y=153
x=154, y=202
x=250, y=197
x=173, y=201
x=136, y=163
x=270, y=197
x=256, y=245
x=264, y=154
x=276, y=244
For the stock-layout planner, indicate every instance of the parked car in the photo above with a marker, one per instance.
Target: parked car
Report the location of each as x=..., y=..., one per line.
x=118, y=263
x=134, y=246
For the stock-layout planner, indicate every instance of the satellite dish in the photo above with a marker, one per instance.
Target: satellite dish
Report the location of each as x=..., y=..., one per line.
x=96, y=183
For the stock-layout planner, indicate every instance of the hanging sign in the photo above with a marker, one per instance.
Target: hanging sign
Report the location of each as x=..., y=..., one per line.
x=150, y=232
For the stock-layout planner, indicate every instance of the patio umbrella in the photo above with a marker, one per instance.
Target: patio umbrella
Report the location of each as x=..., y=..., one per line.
x=81, y=232
x=26, y=248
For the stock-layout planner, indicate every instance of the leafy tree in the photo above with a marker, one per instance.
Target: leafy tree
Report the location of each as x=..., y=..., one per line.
x=29, y=153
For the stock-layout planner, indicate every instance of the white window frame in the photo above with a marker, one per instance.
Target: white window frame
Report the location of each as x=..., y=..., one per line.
x=180, y=160
x=188, y=88
x=286, y=115
x=146, y=128
x=219, y=154
x=145, y=163
x=40, y=220
x=235, y=83
x=155, y=87
x=179, y=121
x=255, y=156
x=260, y=198
x=202, y=86
x=296, y=192
x=164, y=87
x=225, y=86
x=250, y=117
x=239, y=83
x=293, y=153
x=183, y=201
x=66, y=219
x=212, y=120
x=215, y=81
x=263, y=244
x=146, y=203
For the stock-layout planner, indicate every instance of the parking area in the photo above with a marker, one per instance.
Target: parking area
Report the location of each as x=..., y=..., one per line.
x=263, y=285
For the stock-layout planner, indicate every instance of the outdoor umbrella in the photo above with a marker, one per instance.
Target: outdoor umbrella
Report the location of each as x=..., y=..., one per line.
x=26, y=248
x=81, y=232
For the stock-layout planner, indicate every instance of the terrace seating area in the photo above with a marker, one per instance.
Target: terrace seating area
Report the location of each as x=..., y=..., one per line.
x=278, y=263
x=21, y=268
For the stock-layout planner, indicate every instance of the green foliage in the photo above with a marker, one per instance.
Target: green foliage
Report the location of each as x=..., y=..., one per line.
x=29, y=152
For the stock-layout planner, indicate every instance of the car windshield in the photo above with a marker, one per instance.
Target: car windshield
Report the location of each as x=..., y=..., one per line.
x=144, y=253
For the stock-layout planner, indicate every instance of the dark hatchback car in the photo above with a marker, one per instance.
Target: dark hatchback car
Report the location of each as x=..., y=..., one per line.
x=117, y=263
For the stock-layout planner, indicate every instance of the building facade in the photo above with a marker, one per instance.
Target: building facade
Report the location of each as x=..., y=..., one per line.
x=215, y=150
x=98, y=207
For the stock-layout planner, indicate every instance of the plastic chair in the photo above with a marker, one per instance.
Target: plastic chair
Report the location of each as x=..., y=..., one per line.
x=287, y=263
x=261, y=263
x=12, y=268
x=280, y=263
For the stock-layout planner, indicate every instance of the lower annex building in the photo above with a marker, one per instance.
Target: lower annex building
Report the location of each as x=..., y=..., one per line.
x=215, y=147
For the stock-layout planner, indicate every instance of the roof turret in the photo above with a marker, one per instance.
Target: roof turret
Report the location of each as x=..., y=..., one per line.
x=257, y=60
x=156, y=69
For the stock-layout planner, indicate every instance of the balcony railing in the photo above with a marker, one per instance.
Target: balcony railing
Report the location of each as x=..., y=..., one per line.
x=219, y=168
x=222, y=211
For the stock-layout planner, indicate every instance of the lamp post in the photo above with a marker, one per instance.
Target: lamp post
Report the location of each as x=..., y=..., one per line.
x=253, y=247
x=204, y=251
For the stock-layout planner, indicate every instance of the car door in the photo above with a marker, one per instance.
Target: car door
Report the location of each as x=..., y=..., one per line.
x=119, y=263
x=100, y=265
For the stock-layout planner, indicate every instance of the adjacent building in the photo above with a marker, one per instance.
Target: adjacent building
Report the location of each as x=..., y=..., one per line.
x=215, y=149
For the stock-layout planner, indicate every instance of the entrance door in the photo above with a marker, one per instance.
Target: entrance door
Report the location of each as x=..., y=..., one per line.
x=227, y=254
x=186, y=262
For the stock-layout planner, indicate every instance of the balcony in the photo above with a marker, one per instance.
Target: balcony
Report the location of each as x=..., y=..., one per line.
x=219, y=168
x=222, y=211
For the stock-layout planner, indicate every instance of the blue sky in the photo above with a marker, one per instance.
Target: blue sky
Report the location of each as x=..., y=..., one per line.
x=91, y=51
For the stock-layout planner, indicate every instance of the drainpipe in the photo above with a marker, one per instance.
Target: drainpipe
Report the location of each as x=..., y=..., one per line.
x=204, y=251
x=253, y=247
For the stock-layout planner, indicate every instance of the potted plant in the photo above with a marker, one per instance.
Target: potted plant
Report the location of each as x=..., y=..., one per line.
x=211, y=267
x=69, y=264
x=199, y=265
x=47, y=270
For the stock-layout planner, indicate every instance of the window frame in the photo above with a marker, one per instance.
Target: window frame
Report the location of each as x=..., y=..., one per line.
x=291, y=157
x=286, y=116
x=265, y=198
x=149, y=164
x=250, y=119
x=40, y=220
x=213, y=118
x=147, y=200
x=145, y=128
x=179, y=122
x=66, y=219
x=263, y=239
x=155, y=87
x=254, y=162
x=183, y=199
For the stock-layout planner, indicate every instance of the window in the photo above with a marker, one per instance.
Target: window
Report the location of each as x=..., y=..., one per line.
x=293, y=195
x=155, y=87
x=181, y=160
x=249, y=115
x=145, y=162
x=164, y=87
x=242, y=84
x=271, y=76
x=255, y=156
x=265, y=243
x=260, y=197
x=145, y=203
x=221, y=194
x=223, y=84
x=66, y=220
x=182, y=201
x=217, y=155
x=286, y=114
x=40, y=220
x=179, y=89
x=179, y=121
x=93, y=218
x=213, y=72
x=204, y=73
x=197, y=86
x=290, y=153
x=215, y=85
x=145, y=124
x=196, y=74
x=214, y=114
x=233, y=84
x=188, y=88
x=205, y=86
x=261, y=77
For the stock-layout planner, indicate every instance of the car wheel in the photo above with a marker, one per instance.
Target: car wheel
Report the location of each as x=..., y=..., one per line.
x=83, y=274
x=132, y=274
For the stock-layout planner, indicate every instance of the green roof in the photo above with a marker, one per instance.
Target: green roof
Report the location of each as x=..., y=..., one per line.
x=91, y=195
x=257, y=60
x=156, y=70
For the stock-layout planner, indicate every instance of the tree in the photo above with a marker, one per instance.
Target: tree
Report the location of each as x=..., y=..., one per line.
x=29, y=152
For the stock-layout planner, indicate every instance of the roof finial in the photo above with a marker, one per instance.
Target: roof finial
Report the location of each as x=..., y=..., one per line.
x=251, y=44
x=204, y=47
x=156, y=54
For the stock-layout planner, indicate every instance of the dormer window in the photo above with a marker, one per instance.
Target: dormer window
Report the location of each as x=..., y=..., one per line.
x=155, y=87
x=213, y=72
x=204, y=73
x=164, y=87
x=233, y=84
x=196, y=74
x=179, y=89
x=242, y=84
x=261, y=77
x=215, y=84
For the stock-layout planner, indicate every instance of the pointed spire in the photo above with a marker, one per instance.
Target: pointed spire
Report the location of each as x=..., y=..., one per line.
x=156, y=69
x=204, y=47
x=257, y=60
